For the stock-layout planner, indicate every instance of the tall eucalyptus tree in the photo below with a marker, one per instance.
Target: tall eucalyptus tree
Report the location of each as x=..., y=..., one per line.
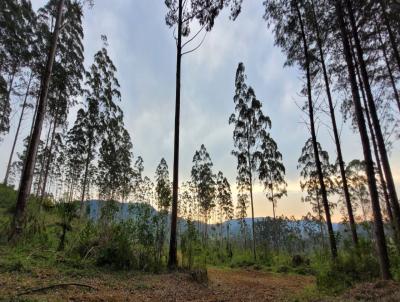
x=102, y=96
x=251, y=139
x=181, y=15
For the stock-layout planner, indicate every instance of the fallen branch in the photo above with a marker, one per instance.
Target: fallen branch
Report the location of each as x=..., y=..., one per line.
x=39, y=289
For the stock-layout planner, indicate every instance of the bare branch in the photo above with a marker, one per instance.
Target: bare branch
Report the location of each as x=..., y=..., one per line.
x=194, y=37
x=197, y=47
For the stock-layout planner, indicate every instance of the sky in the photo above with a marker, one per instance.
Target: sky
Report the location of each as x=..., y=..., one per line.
x=143, y=49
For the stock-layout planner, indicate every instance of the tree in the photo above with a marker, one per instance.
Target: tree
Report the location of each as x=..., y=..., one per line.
x=225, y=204
x=68, y=72
x=163, y=197
x=272, y=171
x=358, y=186
x=17, y=22
x=241, y=214
x=204, y=182
x=310, y=180
x=250, y=137
x=181, y=14
x=163, y=186
x=24, y=106
x=114, y=164
x=137, y=182
x=75, y=154
x=101, y=108
x=379, y=231
x=27, y=173
x=67, y=212
x=292, y=35
x=373, y=113
x=316, y=21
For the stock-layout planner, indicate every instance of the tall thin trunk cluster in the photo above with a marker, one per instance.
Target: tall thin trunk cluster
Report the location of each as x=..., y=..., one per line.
x=345, y=187
x=369, y=165
x=27, y=172
x=322, y=186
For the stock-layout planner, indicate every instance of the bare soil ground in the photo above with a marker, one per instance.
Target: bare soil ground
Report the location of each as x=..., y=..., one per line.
x=223, y=285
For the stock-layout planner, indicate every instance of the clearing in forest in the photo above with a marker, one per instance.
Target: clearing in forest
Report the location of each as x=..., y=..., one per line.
x=223, y=285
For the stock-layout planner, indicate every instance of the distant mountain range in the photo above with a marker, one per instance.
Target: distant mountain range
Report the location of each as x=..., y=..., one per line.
x=94, y=211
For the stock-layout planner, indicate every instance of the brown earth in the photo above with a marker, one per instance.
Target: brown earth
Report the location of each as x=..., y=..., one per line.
x=223, y=285
x=382, y=291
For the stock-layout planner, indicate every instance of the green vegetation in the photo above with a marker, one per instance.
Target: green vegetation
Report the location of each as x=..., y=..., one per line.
x=56, y=238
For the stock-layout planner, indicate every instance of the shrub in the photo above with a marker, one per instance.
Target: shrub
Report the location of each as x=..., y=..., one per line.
x=116, y=251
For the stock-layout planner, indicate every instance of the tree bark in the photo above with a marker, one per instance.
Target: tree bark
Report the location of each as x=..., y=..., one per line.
x=369, y=166
x=325, y=203
x=17, y=132
x=27, y=173
x=172, y=259
x=345, y=187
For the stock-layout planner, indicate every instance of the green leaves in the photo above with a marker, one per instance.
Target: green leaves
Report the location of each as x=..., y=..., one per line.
x=203, y=179
x=163, y=186
x=256, y=152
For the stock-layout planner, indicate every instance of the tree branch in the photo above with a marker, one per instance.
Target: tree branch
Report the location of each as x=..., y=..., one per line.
x=194, y=37
x=34, y=290
x=197, y=47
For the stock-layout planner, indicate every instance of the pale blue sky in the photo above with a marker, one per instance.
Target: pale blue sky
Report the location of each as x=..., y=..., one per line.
x=143, y=50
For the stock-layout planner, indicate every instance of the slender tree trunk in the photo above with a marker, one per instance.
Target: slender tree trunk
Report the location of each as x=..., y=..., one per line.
x=42, y=162
x=379, y=230
x=376, y=152
x=374, y=116
x=27, y=173
x=62, y=239
x=251, y=194
x=49, y=160
x=380, y=172
x=389, y=69
x=273, y=203
x=172, y=259
x=10, y=85
x=345, y=187
x=252, y=218
x=390, y=32
x=34, y=117
x=85, y=177
x=320, y=219
x=325, y=203
x=17, y=132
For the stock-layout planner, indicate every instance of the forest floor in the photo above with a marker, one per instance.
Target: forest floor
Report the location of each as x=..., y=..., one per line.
x=223, y=285
x=18, y=284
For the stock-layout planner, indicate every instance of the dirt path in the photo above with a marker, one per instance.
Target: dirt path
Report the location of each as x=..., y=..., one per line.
x=224, y=285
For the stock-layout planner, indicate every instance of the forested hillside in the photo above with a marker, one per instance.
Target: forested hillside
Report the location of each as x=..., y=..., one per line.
x=81, y=219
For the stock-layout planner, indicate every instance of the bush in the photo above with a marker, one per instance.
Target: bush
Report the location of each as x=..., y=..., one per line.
x=351, y=266
x=333, y=280
x=117, y=251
